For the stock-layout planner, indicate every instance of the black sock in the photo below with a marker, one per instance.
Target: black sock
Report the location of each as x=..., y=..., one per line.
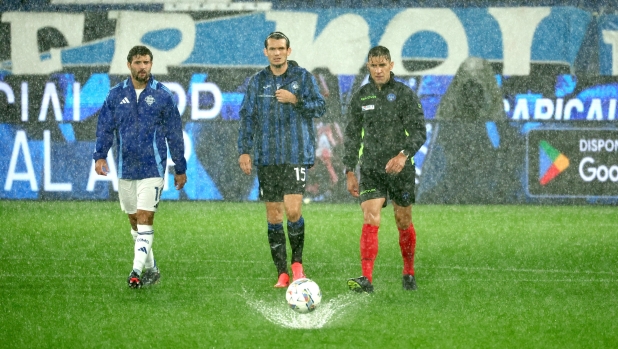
x=296, y=234
x=276, y=239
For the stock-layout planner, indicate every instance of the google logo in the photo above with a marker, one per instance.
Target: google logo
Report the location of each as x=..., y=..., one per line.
x=602, y=173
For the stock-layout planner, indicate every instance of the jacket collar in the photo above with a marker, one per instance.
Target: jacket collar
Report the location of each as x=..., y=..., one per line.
x=291, y=65
x=151, y=83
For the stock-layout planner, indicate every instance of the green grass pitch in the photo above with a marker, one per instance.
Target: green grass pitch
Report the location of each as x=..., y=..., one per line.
x=488, y=277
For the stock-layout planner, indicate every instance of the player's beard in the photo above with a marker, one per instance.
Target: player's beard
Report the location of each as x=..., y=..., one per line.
x=141, y=79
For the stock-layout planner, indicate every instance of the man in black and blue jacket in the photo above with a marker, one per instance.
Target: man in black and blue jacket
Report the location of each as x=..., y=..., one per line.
x=276, y=130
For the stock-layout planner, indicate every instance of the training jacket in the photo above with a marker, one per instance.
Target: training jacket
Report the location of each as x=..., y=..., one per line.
x=382, y=122
x=280, y=133
x=141, y=129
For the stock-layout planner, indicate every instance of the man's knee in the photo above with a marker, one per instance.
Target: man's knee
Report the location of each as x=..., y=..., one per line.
x=293, y=207
x=403, y=216
x=145, y=217
x=294, y=215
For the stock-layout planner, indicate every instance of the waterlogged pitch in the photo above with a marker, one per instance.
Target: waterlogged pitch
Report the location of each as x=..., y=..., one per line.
x=488, y=277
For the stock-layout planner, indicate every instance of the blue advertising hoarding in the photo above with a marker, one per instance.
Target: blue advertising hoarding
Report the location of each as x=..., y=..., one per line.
x=49, y=101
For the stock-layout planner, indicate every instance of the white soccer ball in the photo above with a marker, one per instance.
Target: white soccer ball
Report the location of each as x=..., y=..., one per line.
x=303, y=296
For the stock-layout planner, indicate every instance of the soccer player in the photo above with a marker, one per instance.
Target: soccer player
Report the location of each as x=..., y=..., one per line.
x=276, y=129
x=385, y=129
x=141, y=116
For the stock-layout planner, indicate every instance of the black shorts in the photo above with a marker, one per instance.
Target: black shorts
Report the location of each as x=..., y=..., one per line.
x=397, y=187
x=279, y=180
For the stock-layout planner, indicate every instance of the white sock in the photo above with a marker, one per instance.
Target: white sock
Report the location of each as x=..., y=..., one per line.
x=143, y=246
x=150, y=261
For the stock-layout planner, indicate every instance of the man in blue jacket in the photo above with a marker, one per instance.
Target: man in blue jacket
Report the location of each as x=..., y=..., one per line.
x=276, y=129
x=141, y=116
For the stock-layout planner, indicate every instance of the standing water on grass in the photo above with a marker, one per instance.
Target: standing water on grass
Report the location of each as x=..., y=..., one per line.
x=280, y=314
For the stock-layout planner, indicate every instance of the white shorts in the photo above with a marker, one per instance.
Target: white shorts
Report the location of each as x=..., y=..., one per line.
x=139, y=194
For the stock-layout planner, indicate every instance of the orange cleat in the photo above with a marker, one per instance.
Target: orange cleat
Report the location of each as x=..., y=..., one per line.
x=297, y=271
x=284, y=281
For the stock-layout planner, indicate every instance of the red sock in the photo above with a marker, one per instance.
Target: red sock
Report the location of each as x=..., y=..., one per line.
x=368, y=249
x=407, y=243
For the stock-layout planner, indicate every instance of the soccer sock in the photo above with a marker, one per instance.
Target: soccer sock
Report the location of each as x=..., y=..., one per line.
x=296, y=234
x=407, y=243
x=368, y=249
x=143, y=245
x=150, y=261
x=134, y=234
x=276, y=239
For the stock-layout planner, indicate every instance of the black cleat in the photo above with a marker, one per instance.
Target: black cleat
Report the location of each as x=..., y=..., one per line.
x=150, y=277
x=409, y=283
x=134, y=280
x=360, y=284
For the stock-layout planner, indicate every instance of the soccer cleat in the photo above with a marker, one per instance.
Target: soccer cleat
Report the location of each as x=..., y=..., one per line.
x=297, y=271
x=284, y=281
x=360, y=284
x=134, y=280
x=409, y=283
x=151, y=277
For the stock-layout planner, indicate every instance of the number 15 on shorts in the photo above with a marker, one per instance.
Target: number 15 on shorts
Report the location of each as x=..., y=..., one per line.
x=300, y=173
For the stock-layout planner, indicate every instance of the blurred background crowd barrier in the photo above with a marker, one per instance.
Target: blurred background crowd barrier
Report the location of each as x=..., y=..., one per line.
x=519, y=96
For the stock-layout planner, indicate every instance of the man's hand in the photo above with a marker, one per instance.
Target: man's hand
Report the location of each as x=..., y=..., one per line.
x=244, y=161
x=180, y=180
x=396, y=164
x=101, y=168
x=285, y=96
x=352, y=184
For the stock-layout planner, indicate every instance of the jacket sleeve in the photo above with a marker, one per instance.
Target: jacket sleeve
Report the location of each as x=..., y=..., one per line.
x=105, y=131
x=353, y=134
x=174, y=136
x=247, y=119
x=311, y=101
x=414, y=123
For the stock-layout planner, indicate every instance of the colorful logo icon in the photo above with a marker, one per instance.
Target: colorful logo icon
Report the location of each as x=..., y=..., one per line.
x=551, y=162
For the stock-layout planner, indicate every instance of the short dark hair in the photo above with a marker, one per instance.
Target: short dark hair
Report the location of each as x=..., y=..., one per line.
x=138, y=50
x=379, y=51
x=277, y=36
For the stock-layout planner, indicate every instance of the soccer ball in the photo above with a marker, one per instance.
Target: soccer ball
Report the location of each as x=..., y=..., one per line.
x=303, y=296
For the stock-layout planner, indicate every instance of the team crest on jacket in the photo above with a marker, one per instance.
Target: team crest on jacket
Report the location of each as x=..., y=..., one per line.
x=149, y=100
x=295, y=85
x=391, y=97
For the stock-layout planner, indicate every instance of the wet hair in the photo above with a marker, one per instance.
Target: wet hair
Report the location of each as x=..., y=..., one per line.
x=379, y=51
x=277, y=36
x=138, y=51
